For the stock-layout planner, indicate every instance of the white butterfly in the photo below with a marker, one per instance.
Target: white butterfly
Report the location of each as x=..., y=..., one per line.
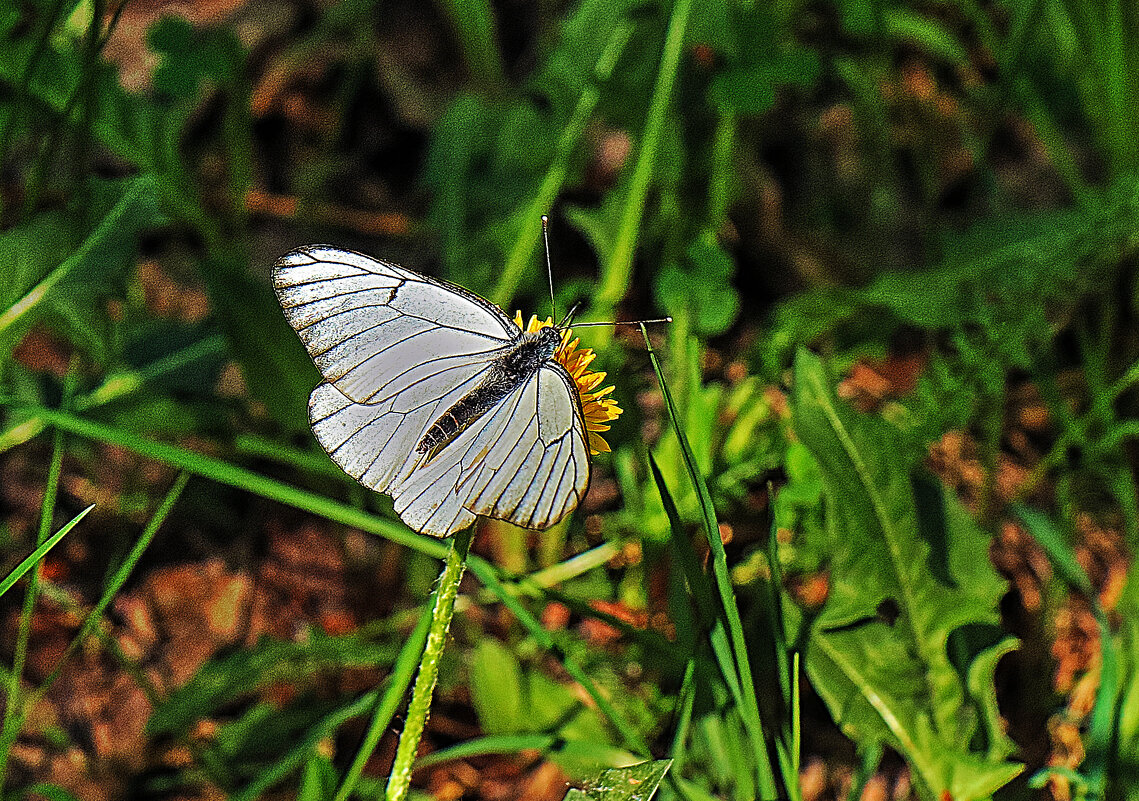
x=433, y=395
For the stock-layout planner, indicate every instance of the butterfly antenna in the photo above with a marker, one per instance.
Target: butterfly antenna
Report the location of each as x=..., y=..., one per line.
x=627, y=322
x=549, y=266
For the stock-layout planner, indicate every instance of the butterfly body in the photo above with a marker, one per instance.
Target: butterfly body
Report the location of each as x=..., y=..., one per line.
x=433, y=395
x=509, y=371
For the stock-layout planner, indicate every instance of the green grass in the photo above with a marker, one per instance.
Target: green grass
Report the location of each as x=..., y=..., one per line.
x=805, y=189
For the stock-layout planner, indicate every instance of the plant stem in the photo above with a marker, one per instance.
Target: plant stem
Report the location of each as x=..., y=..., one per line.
x=420, y=706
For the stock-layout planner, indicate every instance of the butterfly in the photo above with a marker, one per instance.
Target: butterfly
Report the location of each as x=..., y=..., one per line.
x=434, y=396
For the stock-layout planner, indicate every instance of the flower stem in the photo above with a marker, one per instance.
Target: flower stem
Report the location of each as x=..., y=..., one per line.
x=456, y=562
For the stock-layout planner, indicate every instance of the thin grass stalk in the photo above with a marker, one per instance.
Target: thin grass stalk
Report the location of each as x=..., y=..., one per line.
x=555, y=178
x=35, y=556
x=13, y=720
x=475, y=28
x=454, y=566
x=398, y=681
x=113, y=586
x=617, y=268
x=749, y=707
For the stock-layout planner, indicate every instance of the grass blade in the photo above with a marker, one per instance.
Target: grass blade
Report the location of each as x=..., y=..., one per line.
x=35, y=556
x=749, y=709
x=397, y=683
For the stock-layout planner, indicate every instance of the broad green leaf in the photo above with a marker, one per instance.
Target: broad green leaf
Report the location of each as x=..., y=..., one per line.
x=634, y=783
x=909, y=570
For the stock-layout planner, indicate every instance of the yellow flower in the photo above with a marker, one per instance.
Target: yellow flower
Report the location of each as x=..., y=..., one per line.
x=599, y=409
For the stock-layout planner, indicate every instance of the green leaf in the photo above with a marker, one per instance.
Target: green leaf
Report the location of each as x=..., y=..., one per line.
x=192, y=55
x=496, y=688
x=906, y=577
x=702, y=285
x=634, y=783
x=926, y=33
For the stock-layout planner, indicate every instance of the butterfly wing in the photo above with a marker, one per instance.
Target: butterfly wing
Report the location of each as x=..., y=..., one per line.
x=527, y=462
x=375, y=329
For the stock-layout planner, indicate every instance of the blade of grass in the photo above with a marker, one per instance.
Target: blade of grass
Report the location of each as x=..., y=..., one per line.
x=397, y=683
x=678, y=752
x=749, y=709
x=473, y=22
x=706, y=605
x=119, y=385
x=113, y=586
x=240, y=478
x=299, y=754
x=518, y=260
x=13, y=721
x=35, y=556
x=15, y=319
x=617, y=265
x=489, y=746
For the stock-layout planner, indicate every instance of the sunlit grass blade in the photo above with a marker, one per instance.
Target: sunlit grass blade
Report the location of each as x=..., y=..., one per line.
x=234, y=476
x=13, y=720
x=508, y=744
x=518, y=260
x=617, y=264
x=749, y=709
x=35, y=556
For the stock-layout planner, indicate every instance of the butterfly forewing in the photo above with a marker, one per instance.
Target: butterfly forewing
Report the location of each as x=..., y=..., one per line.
x=397, y=351
x=366, y=322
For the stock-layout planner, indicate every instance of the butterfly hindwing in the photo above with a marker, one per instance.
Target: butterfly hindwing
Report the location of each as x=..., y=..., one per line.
x=525, y=462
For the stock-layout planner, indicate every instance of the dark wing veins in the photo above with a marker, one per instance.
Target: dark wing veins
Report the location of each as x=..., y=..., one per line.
x=505, y=374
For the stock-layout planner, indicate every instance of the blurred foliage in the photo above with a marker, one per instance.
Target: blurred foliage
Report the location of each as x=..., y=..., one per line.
x=954, y=180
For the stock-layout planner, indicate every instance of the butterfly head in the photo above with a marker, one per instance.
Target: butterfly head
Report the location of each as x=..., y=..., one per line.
x=550, y=340
x=598, y=407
